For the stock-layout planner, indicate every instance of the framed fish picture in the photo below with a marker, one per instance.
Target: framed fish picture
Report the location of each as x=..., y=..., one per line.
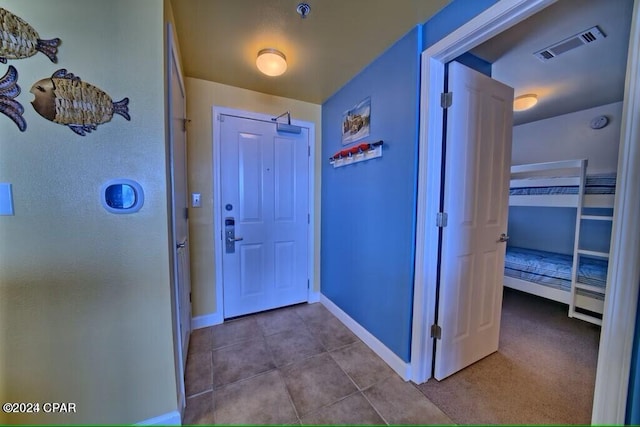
x=356, y=122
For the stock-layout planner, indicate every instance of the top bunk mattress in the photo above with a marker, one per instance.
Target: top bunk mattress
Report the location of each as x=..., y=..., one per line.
x=595, y=184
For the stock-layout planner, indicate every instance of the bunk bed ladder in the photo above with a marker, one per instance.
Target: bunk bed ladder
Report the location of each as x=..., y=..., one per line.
x=589, y=304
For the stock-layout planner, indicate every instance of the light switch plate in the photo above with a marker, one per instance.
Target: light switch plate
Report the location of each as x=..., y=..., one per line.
x=195, y=200
x=6, y=199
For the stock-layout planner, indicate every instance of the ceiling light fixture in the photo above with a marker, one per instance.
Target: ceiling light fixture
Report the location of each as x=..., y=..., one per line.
x=524, y=102
x=271, y=62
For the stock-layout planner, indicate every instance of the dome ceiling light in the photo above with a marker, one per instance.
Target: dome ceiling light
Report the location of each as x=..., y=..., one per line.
x=524, y=102
x=271, y=62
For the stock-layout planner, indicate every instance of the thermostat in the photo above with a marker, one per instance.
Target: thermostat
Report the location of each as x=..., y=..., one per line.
x=122, y=196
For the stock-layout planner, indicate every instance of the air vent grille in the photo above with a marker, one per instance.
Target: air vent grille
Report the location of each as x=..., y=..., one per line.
x=577, y=40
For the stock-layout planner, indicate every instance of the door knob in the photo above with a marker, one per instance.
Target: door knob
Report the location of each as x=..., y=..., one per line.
x=181, y=245
x=234, y=239
x=503, y=238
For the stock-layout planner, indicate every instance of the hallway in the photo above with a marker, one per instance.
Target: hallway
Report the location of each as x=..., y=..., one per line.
x=295, y=365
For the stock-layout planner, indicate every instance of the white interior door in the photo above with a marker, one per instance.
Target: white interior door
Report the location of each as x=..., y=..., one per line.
x=476, y=183
x=265, y=215
x=180, y=199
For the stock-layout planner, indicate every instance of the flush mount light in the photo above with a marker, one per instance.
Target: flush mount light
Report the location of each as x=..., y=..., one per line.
x=271, y=62
x=524, y=102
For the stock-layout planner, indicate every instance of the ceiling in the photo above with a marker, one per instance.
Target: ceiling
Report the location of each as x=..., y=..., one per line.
x=585, y=77
x=219, y=40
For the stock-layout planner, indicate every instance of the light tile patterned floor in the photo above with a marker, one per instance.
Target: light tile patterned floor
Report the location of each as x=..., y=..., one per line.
x=296, y=365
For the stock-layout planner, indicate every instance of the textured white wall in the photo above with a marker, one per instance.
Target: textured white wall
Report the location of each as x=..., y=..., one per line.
x=85, y=313
x=570, y=137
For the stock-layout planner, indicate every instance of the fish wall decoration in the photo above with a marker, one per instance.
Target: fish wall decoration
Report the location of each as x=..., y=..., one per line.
x=9, y=89
x=19, y=40
x=65, y=99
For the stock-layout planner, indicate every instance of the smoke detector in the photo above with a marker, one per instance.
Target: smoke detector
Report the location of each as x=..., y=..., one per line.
x=587, y=36
x=303, y=10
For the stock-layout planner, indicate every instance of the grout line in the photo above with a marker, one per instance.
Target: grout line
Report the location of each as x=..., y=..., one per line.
x=374, y=407
x=359, y=390
x=198, y=393
x=295, y=410
x=245, y=379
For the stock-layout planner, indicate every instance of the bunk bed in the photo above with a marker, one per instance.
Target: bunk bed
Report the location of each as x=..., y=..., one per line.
x=578, y=280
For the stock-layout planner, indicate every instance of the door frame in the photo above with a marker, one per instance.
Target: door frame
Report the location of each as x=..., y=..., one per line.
x=172, y=57
x=616, y=342
x=218, y=233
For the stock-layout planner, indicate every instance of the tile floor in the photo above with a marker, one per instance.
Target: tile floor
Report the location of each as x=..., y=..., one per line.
x=296, y=365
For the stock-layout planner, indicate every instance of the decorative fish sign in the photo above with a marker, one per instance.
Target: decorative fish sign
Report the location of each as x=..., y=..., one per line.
x=19, y=40
x=67, y=100
x=9, y=89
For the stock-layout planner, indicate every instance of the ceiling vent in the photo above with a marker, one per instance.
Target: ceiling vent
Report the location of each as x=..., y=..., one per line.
x=585, y=37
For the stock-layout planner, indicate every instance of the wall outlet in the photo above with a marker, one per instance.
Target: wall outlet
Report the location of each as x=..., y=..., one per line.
x=195, y=200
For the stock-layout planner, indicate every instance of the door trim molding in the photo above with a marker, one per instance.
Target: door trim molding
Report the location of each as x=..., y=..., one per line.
x=620, y=305
x=217, y=194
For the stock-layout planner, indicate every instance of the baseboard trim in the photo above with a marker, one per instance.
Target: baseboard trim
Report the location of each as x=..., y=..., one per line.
x=169, y=419
x=199, y=322
x=401, y=367
x=314, y=296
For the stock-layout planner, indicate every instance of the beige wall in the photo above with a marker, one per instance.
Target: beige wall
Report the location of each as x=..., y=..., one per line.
x=85, y=312
x=202, y=95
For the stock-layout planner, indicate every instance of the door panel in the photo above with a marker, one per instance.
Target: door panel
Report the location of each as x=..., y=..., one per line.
x=265, y=185
x=250, y=177
x=478, y=155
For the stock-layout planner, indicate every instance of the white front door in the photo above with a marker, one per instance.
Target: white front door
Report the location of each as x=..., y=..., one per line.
x=476, y=184
x=265, y=214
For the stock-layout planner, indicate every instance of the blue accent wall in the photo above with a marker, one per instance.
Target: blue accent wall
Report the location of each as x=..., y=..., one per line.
x=475, y=63
x=451, y=17
x=369, y=208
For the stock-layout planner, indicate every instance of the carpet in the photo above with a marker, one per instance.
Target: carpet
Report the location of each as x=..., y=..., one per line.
x=543, y=373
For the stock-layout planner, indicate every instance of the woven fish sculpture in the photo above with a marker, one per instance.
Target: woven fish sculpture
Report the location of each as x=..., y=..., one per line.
x=19, y=40
x=67, y=100
x=9, y=89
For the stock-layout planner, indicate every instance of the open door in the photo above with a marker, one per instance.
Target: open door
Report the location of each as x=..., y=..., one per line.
x=476, y=192
x=179, y=232
x=180, y=206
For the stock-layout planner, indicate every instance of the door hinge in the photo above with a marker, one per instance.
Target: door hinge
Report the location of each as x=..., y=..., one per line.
x=308, y=151
x=446, y=98
x=441, y=219
x=189, y=296
x=308, y=284
x=308, y=218
x=436, y=332
x=184, y=124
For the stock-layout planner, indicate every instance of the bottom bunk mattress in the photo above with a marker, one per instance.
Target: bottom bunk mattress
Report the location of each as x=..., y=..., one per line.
x=554, y=270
